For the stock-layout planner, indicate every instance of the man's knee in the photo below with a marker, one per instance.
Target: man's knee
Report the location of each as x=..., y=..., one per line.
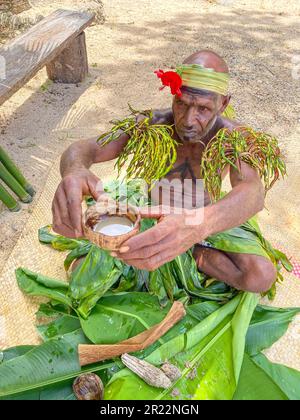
x=259, y=276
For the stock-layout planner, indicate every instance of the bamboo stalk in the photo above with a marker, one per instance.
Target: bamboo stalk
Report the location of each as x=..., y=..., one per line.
x=13, y=184
x=15, y=171
x=8, y=200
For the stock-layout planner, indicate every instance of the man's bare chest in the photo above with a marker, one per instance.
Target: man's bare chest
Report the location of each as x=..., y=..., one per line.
x=187, y=165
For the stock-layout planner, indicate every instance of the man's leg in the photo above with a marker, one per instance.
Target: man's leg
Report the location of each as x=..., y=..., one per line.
x=247, y=272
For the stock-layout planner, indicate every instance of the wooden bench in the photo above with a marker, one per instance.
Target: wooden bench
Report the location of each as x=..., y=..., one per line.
x=57, y=42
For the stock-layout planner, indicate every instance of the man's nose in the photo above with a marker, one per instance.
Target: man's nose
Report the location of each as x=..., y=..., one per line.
x=189, y=119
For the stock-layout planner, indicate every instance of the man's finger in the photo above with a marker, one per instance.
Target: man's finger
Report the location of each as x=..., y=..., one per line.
x=96, y=189
x=62, y=204
x=58, y=226
x=147, y=251
x=153, y=263
x=150, y=237
x=75, y=211
x=154, y=212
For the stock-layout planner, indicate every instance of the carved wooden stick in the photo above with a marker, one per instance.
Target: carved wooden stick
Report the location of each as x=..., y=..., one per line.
x=92, y=353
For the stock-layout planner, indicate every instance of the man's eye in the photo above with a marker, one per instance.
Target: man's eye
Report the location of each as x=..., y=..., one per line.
x=203, y=108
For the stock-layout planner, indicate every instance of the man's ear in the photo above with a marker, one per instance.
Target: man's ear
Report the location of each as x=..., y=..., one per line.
x=225, y=102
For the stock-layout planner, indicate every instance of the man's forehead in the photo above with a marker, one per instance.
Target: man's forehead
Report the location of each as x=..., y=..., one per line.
x=198, y=97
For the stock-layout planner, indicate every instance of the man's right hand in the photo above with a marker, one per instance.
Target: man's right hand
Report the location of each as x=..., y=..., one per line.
x=66, y=207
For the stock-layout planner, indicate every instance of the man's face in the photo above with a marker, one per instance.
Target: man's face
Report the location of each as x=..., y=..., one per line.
x=195, y=114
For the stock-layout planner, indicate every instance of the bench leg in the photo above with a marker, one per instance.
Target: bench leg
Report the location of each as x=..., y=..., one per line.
x=71, y=65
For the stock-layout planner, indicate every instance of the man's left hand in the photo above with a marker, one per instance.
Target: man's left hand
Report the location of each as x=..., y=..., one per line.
x=173, y=235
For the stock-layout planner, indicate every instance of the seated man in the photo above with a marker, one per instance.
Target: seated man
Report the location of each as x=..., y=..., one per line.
x=197, y=117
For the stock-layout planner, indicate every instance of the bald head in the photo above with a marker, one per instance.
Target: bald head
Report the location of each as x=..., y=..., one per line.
x=208, y=59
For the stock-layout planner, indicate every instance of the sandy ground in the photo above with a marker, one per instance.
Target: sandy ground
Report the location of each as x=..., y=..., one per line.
x=257, y=38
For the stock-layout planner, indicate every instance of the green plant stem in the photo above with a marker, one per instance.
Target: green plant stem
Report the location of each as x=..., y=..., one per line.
x=13, y=184
x=8, y=200
x=15, y=172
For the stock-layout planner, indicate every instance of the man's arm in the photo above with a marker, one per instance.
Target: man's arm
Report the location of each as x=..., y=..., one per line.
x=78, y=181
x=244, y=201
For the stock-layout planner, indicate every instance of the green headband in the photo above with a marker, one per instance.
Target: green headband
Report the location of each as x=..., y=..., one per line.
x=199, y=77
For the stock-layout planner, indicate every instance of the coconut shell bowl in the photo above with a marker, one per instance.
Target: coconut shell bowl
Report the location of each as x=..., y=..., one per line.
x=100, y=223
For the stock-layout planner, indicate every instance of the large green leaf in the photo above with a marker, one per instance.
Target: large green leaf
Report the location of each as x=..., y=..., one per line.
x=91, y=279
x=38, y=285
x=78, y=252
x=61, y=326
x=287, y=379
x=189, y=339
x=240, y=324
x=207, y=373
x=14, y=352
x=268, y=324
x=202, y=309
x=119, y=317
x=95, y=269
x=205, y=355
x=58, y=242
x=239, y=240
x=256, y=384
x=50, y=364
x=157, y=288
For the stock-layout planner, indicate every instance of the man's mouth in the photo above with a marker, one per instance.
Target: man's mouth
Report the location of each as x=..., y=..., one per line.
x=188, y=134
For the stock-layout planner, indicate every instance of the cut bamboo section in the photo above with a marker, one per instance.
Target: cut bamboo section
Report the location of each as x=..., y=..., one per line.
x=15, y=172
x=8, y=200
x=92, y=353
x=13, y=184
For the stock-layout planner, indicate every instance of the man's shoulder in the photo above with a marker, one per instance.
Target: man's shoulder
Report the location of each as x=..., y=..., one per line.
x=230, y=124
x=163, y=116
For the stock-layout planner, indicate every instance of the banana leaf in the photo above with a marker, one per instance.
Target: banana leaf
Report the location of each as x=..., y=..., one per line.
x=53, y=310
x=287, y=379
x=61, y=326
x=51, y=364
x=80, y=251
x=132, y=280
x=38, y=285
x=201, y=310
x=205, y=355
x=256, y=384
x=119, y=317
x=126, y=284
x=157, y=288
x=207, y=372
x=187, y=272
x=268, y=324
x=91, y=279
x=88, y=303
x=188, y=340
x=240, y=324
x=14, y=352
x=187, y=275
x=95, y=269
x=59, y=242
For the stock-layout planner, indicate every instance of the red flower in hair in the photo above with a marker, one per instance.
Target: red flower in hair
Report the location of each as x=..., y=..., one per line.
x=171, y=79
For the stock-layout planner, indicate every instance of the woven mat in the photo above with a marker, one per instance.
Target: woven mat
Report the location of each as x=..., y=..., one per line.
x=17, y=311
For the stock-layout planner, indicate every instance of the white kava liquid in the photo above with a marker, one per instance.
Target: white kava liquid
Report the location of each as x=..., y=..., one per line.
x=114, y=226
